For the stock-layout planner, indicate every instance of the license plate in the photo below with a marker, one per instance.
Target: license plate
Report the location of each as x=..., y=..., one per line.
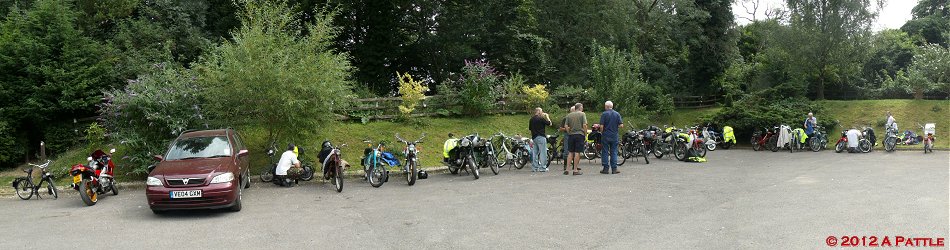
x=77, y=178
x=185, y=194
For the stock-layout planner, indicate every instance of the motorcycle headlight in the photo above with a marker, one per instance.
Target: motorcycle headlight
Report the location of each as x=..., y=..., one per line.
x=222, y=178
x=152, y=181
x=465, y=143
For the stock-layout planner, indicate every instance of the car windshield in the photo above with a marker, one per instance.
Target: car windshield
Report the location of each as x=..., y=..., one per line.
x=199, y=147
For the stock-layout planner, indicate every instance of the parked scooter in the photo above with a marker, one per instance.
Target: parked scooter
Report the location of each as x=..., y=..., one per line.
x=96, y=178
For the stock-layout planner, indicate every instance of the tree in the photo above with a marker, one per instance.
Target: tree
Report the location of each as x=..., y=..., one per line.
x=929, y=71
x=829, y=39
x=891, y=52
x=930, y=21
x=50, y=71
x=274, y=74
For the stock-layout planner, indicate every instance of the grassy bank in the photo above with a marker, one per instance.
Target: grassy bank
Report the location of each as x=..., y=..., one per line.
x=908, y=114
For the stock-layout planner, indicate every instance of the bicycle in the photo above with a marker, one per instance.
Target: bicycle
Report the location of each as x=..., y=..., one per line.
x=890, y=138
x=818, y=140
x=412, y=158
x=519, y=153
x=25, y=188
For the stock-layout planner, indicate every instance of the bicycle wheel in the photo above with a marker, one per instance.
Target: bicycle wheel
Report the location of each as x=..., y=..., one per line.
x=620, y=153
x=338, y=177
x=504, y=155
x=793, y=144
x=376, y=175
x=267, y=175
x=411, y=176
x=24, y=189
x=701, y=151
x=589, y=153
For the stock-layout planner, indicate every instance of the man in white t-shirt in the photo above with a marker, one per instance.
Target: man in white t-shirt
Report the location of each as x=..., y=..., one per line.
x=287, y=160
x=890, y=120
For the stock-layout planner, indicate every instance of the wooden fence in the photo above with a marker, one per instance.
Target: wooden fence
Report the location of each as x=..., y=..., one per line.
x=696, y=101
x=387, y=108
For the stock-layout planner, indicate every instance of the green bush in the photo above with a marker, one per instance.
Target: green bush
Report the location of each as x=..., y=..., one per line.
x=756, y=113
x=474, y=93
x=277, y=71
x=10, y=151
x=616, y=76
x=150, y=112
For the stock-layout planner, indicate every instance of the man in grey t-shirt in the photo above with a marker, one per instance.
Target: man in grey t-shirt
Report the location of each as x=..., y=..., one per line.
x=576, y=126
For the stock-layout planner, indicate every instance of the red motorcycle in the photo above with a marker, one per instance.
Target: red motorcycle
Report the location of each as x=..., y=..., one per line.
x=95, y=178
x=766, y=139
x=842, y=142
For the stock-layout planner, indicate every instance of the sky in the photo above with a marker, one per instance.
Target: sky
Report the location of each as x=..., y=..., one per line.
x=894, y=14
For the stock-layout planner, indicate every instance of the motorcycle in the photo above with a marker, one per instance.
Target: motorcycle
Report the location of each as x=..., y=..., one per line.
x=765, y=139
x=593, y=148
x=469, y=153
x=868, y=140
x=268, y=174
x=632, y=145
x=842, y=142
x=672, y=141
x=712, y=138
x=693, y=144
x=818, y=140
x=890, y=138
x=95, y=178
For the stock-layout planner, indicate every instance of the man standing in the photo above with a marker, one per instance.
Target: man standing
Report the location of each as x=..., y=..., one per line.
x=610, y=124
x=576, y=126
x=890, y=120
x=564, y=135
x=539, y=156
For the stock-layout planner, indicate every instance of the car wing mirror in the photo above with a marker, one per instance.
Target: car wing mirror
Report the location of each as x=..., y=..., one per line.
x=243, y=152
x=158, y=158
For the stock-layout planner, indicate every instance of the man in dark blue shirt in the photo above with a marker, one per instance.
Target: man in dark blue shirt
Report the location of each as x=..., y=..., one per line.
x=610, y=124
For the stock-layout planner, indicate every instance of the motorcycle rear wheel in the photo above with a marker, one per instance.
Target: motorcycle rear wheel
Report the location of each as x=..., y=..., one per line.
x=307, y=173
x=865, y=146
x=86, y=192
x=772, y=144
x=115, y=190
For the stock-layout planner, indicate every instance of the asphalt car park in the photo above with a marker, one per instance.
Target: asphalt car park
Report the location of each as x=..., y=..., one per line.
x=739, y=199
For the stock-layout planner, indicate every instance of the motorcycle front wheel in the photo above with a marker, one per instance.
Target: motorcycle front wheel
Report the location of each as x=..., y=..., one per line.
x=376, y=175
x=88, y=193
x=679, y=151
x=711, y=146
x=890, y=144
x=115, y=190
x=338, y=178
x=839, y=147
x=268, y=174
x=471, y=167
x=411, y=175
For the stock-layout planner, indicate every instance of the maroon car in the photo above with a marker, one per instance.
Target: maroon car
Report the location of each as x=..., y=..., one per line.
x=202, y=170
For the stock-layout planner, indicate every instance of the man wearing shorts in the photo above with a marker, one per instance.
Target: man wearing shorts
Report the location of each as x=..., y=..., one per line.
x=576, y=126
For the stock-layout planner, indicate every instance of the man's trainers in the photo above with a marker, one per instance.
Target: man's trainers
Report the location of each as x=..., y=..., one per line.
x=615, y=172
x=604, y=172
